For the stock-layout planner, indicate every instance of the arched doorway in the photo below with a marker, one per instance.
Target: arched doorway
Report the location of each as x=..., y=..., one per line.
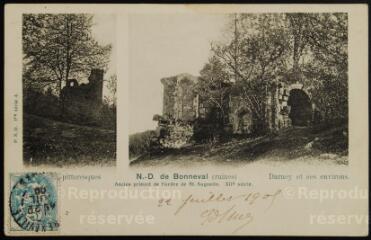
x=242, y=121
x=301, y=109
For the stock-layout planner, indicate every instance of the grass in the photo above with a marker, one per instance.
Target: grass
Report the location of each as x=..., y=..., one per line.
x=140, y=143
x=290, y=145
x=51, y=142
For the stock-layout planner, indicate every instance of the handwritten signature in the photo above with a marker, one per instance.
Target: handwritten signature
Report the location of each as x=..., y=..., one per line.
x=214, y=215
x=230, y=208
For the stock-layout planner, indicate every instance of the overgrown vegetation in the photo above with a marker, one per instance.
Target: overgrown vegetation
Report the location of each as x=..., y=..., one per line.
x=263, y=49
x=58, y=47
x=47, y=105
x=60, y=144
x=58, y=130
x=320, y=145
x=141, y=143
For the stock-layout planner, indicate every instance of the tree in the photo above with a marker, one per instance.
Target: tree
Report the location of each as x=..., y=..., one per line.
x=299, y=32
x=256, y=54
x=111, y=85
x=57, y=47
x=328, y=66
x=306, y=47
x=214, y=87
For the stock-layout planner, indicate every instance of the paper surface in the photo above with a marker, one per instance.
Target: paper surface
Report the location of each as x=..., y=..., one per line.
x=186, y=119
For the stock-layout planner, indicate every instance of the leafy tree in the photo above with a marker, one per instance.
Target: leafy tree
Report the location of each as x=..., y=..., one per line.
x=111, y=85
x=299, y=32
x=214, y=87
x=329, y=65
x=57, y=47
x=255, y=56
x=307, y=47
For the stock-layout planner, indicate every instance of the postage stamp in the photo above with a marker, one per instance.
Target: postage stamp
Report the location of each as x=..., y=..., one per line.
x=34, y=202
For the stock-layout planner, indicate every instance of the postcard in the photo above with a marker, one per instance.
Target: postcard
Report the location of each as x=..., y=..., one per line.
x=186, y=119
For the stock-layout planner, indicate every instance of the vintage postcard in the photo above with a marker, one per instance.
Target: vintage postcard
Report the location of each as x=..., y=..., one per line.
x=240, y=119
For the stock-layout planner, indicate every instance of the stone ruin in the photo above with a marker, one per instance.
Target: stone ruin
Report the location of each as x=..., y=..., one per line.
x=82, y=103
x=289, y=105
x=91, y=92
x=286, y=105
x=180, y=109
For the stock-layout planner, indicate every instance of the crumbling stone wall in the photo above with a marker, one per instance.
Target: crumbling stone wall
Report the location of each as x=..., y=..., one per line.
x=92, y=91
x=176, y=135
x=184, y=105
x=179, y=97
x=184, y=110
x=278, y=107
x=240, y=116
x=83, y=102
x=180, y=109
x=96, y=85
x=169, y=85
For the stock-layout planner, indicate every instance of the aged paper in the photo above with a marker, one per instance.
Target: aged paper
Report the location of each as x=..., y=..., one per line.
x=186, y=119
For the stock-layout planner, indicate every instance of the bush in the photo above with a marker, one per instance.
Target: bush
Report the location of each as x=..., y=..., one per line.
x=140, y=143
x=44, y=105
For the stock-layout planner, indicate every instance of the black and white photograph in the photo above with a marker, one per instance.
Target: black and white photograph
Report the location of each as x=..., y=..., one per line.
x=69, y=89
x=186, y=119
x=244, y=88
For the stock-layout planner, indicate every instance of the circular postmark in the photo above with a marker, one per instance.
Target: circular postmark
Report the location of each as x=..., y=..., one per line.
x=33, y=202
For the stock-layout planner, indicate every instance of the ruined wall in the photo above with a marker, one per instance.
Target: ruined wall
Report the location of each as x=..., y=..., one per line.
x=83, y=101
x=184, y=102
x=277, y=107
x=279, y=110
x=240, y=116
x=168, y=97
x=92, y=91
x=182, y=105
x=96, y=85
x=180, y=99
x=176, y=135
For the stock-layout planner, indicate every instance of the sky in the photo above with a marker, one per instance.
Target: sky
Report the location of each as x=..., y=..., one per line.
x=163, y=46
x=103, y=30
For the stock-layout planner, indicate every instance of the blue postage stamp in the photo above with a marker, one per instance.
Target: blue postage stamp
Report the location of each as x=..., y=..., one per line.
x=34, y=202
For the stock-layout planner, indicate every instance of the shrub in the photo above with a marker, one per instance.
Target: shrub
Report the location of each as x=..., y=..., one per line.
x=140, y=143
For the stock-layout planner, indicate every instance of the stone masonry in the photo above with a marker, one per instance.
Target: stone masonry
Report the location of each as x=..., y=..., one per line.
x=286, y=104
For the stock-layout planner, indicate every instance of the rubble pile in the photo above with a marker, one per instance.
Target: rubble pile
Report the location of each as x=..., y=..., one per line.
x=177, y=135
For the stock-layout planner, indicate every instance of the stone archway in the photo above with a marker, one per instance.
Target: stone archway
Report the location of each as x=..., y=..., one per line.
x=300, y=107
x=242, y=122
